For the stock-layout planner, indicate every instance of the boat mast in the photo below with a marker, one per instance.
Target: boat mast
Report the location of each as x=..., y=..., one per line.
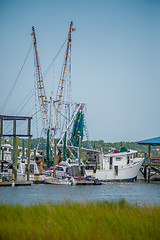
x=60, y=90
x=40, y=85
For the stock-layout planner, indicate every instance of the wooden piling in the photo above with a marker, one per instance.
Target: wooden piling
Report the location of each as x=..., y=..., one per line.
x=22, y=147
x=149, y=173
x=28, y=160
x=15, y=156
x=48, y=148
x=149, y=156
x=145, y=173
x=51, y=156
x=55, y=149
x=43, y=155
x=79, y=157
x=0, y=147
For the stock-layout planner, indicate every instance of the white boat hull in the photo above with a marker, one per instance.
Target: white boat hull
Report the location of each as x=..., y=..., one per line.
x=127, y=173
x=55, y=181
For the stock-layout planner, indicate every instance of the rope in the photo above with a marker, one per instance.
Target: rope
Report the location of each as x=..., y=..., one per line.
x=30, y=92
x=21, y=104
x=14, y=84
x=37, y=129
x=25, y=104
x=49, y=67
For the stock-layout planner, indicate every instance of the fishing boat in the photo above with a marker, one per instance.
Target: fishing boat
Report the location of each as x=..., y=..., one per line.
x=116, y=166
x=21, y=170
x=7, y=165
x=113, y=166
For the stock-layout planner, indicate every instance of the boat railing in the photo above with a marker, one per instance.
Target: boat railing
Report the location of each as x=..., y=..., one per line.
x=155, y=161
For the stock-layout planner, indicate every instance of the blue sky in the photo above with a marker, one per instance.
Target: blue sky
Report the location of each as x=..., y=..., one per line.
x=115, y=60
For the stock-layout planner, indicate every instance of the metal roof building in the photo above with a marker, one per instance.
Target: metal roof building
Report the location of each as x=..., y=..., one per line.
x=151, y=141
x=153, y=163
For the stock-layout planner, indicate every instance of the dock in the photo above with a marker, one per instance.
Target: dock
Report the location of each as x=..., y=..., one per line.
x=151, y=164
x=16, y=183
x=83, y=182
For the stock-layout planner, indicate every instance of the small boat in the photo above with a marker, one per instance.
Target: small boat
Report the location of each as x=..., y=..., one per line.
x=58, y=181
x=117, y=166
x=69, y=168
x=67, y=173
x=89, y=180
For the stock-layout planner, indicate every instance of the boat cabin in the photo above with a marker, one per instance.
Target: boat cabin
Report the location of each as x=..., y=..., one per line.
x=120, y=159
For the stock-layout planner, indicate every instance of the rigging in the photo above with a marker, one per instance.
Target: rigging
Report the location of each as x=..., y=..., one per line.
x=14, y=84
x=61, y=86
x=40, y=85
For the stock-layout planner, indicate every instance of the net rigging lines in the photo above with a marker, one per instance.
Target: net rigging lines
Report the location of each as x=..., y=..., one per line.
x=64, y=88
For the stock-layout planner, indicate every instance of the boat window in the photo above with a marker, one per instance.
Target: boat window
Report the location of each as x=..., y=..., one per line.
x=76, y=171
x=116, y=170
x=59, y=169
x=72, y=171
x=118, y=158
x=127, y=159
x=111, y=162
x=135, y=155
x=5, y=149
x=67, y=170
x=82, y=170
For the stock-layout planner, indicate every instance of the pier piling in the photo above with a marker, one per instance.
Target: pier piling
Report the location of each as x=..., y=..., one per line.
x=22, y=147
x=15, y=155
x=79, y=157
x=28, y=161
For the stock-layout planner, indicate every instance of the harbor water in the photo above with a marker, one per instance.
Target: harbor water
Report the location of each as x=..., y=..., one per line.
x=139, y=192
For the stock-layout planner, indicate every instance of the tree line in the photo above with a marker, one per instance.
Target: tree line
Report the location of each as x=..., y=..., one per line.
x=96, y=145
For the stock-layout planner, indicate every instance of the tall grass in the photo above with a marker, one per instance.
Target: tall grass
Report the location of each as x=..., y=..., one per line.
x=87, y=221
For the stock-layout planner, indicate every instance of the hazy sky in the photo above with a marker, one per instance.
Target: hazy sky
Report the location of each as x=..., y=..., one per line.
x=115, y=60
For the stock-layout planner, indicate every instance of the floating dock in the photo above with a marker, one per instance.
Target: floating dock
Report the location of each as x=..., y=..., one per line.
x=83, y=182
x=17, y=183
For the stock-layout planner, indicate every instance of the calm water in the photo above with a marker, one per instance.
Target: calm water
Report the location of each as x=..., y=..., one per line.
x=139, y=192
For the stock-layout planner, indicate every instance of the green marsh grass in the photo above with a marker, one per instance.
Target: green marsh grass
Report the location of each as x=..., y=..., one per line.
x=87, y=221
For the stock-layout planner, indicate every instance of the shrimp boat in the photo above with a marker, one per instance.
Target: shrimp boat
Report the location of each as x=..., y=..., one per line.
x=113, y=166
x=120, y=165
x=117, y=166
